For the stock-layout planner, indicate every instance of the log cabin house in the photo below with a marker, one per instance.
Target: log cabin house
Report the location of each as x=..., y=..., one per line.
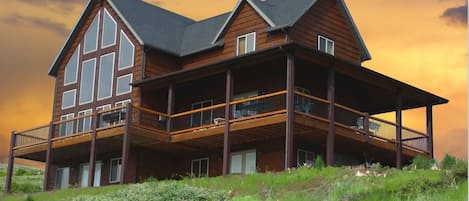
x=144, y=92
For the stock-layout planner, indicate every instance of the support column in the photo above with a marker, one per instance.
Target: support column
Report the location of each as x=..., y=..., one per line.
x=11, y=163
x=331, y=117
x=92, y=163
x=126, y=144
x=399, y=131
x=170, y=109
x=290, y=122
x=430, y=130
x=226, y=136
x=48, y=157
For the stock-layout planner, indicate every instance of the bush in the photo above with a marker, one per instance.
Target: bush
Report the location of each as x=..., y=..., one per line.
x=448, y=162
x=25, y=188
x=318, y=163
x=20, y=172
x=421, y=162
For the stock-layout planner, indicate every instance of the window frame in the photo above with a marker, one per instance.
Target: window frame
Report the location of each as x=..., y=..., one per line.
x=122, y=33
x=306, y=156
x=243, y=161
x=118, y=179
x=115, y=30
x=100, y=123
x=238, y=113
x=92, y=85
x=74, y=99
x=67, y=117
x=246, y=46
x=327, y=41
x=130, y=87
x=77, y=54
x=96, y=182
x=90, y=111
x=112, y=75
x=98, y=17
x=56, y=177
x=201, y=112
x=200, y=165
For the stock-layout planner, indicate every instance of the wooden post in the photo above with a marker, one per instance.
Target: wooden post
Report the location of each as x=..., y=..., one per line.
x=11, y=163
x=126, y=144
x=366, y=126
x=290, y=122
x=430, y=130
x=92, y=166
x=226, y=136
x=48, y=157
x=331, y=117
x=399, y=131
x=170, y=108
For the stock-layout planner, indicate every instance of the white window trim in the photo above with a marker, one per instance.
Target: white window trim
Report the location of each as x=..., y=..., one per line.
x=92, y=85
x=112, y=75
x=200, y=165
x=74, y=99
x=56, y=173
x=243, y=160
x=76, y=69
x=246, y=46
x=118, y=179
x=123, y=101
x=115, y=30
x=80, y=172
x=133, y=52
x=298, y=155
x=211, y=111
x=78, y=116
x=98, y=15
x=327, y=40
x=120, y=77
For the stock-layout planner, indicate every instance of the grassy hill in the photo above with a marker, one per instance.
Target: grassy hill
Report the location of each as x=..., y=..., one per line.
x=416, y=182
x=25, y=179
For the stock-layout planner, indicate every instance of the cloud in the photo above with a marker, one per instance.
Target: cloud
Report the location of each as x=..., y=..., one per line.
x=456, y=15
x=17, y=19
x=61, y=3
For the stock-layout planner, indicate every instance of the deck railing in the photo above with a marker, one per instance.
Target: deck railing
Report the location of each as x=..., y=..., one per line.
x=32, y=136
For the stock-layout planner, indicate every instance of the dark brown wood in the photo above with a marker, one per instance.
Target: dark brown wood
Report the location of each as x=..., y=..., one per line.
x=290, y=124
x=226, y=134
x=48, y=164
x=126, y=144
x=399, y=131
x=92, y=163
x=366, y=126
x=430, y=130
x=170, y=109
x=11, y=163
x=331, y=117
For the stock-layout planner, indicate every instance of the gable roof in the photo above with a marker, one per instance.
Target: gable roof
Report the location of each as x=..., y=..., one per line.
x=166, y=31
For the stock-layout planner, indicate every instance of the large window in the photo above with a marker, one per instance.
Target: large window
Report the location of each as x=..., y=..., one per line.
x=91, y=36
x=109, y=30
x=87, y=81
x=85, y=171
x=106, y=75
x=199, y=167
x=68, y=99
x=246, y=108
x=66, y=128
x=325, y=45
x=246, y=43
x=84, y=123
x=302, y=103
x=243, y=162
x=126, y=52
x=304, y=157
x=123, y=84
x=102, y=122
x=62, y=176
x=201, y=118
x=115, y=172
x=71, y=69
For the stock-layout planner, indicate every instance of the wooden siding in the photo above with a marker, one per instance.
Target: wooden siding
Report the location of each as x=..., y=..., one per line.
x=325, y=18
x=159, y=63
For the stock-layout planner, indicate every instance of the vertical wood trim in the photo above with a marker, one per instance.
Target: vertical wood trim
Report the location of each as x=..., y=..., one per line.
x=366, y=126
x=399, y=131
x=48, y=157
x=226, y=136
x=126, y=144
x=430, y=130
x=92, y=166
x=170, y=109
x=290, y=111
x=11, y=163
x=331, y=117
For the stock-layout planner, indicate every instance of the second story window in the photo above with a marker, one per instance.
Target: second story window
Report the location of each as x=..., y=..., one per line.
x=87, y=81
x=126, y=52
x=325, y=45
x=106, y=76
x=109, y=30
x=91, y=36
x=68, y=99
x=71, y=69
x=246, y=43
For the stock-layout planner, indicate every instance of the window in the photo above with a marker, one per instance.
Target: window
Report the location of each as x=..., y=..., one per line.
x=325, y=45
x=123, y=84
x=246, y=108
x=71, y=69
x=84, y=123
x=246, y=43
x=126, y=52
x=303, y=104
x=109, y=30
x=243, y=162
x=201, y=118
x=84, y=174
x=68, y=99
x=87, y=81
x=103, y=123
x=199, y=167
x=66, y=128
x=304, y=157
x=122, y=103
x=62, y=177
x=123, y=110
x=115, y=173
x=91, y=36
x=106, y=76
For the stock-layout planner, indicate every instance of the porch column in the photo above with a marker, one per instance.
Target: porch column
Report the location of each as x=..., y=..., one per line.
x=399, y=131
x=290, y=121
x=170, y=108
x=331, y=117
x=126, y=144
x=48, y=157
x=430, y=130
x=92, y=163
x=11, y=163
x=226, y=136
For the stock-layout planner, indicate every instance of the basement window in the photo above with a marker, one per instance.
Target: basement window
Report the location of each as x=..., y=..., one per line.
x=304, y=157
x=115, y=172
x=325, y=45
x=246, y=43
x=199, y=167
x=62, y=176
x=243, y=162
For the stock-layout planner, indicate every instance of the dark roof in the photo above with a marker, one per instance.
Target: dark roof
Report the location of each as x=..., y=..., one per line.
x=175, y=34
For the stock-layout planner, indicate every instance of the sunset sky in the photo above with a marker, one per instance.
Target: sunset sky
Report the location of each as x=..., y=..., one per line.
x=420, y=42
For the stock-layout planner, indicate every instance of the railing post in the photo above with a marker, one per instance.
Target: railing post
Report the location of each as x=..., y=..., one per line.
x=226, y=136
x=11, y=163
x=366, y=126
x=170, y=109
x=399, y=131
x=331, y=116
x=48, y=156
x=92, y=163
x=290, y=121
x=126, y=144
x=430, y=130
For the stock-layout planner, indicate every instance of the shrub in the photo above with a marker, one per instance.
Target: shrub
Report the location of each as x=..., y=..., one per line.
x=25, y=188
x=448, y=162
x=20, y=172
x=318, y=163
x=421, y=162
